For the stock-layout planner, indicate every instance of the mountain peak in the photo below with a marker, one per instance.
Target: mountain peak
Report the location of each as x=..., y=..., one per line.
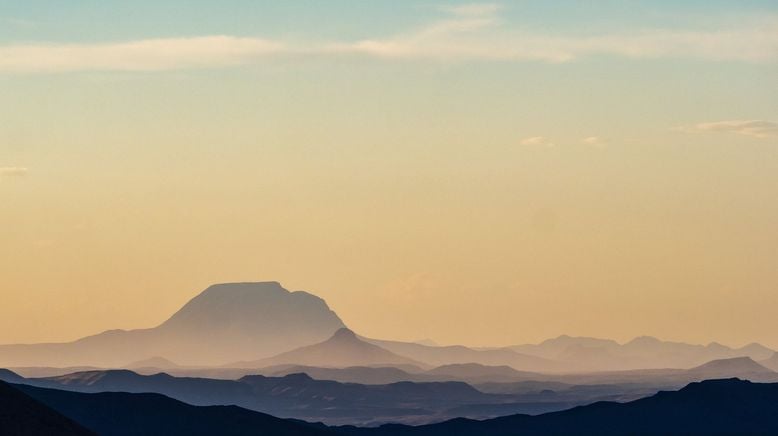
x=344, y=334
x=342, y=349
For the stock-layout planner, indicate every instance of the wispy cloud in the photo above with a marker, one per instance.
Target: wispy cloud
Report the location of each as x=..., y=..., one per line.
x=753, y=128
x=595, y=141
x=540, y=141
x=13, y=171
x=475, y=32
x=470, y=32
x=142, y=55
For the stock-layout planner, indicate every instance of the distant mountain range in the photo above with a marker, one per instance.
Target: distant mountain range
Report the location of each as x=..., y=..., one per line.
x=592, y=354
x=714, y=407
x=261, y=324
x=226, y=322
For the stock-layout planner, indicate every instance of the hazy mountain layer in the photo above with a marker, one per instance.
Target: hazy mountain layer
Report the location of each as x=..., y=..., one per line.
x=226, y=322
x=591, y=354
x=343, y=349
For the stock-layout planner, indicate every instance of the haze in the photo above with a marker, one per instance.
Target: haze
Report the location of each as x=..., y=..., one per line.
x=471, y=173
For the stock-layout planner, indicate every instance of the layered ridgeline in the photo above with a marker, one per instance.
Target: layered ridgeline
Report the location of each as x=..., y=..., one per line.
x=594, y=354
x=260, y=324
x=711, y=407
x=224, y=323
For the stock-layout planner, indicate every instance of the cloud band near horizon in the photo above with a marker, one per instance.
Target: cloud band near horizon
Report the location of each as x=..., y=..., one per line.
x=466, y=34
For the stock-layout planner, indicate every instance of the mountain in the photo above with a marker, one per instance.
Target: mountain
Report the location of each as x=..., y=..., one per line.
x=343, y=349
x=771, y=362
x=226, y=322
x=127, y=414
x=721, y=407
x=477, y=373
x=21, y=415
x=436, y=356
x=581, y=354
x=9, y=376
x=299, y=396
x=152, y=362
x=740, y=367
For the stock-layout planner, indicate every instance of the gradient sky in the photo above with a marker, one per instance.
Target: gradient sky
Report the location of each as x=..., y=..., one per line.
x=472, y=173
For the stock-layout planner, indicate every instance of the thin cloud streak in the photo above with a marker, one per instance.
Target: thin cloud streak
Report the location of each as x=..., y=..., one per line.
x=143, y=55
x=753, y=128
x=13, y=171
x=540, y=141
x=467, y=33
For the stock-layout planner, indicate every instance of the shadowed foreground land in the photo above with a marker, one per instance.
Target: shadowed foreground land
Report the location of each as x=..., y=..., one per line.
x=715, y=407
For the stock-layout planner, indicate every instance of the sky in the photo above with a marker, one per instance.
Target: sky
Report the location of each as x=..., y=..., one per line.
x=474, y=173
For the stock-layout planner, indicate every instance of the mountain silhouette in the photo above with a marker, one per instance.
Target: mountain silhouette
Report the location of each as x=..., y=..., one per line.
x=644, y=352
x=371, y=375
x=444, y=355
x=343, y=349
x=226, y=322
x=152, y=362
x=771, y=362
x=721, y=407
x=714, y=407
x=740, y=367
x=295, y=395
x=21, y=415
x=477, y=373
x=129, y=414
x=9, y=376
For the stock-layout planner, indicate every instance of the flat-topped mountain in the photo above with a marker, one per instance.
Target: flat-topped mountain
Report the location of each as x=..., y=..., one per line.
x=342, y=350
x=226, y=322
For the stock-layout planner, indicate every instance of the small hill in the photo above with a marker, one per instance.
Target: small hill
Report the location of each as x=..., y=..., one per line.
x=741, y=367
x=477, y=373
x=343, y=349
x=771, y=362
x=152, y=362
x=370, y=375
x=21, y=415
